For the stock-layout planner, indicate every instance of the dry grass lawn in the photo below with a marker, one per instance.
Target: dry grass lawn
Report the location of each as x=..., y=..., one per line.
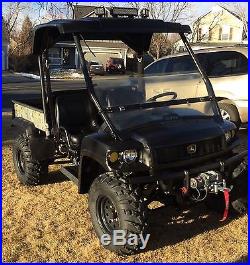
x=51, y=223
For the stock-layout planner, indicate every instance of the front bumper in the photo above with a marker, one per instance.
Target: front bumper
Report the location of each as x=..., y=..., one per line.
x=220, y=165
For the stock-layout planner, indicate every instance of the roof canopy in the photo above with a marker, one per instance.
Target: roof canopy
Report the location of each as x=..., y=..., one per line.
x=134, y=32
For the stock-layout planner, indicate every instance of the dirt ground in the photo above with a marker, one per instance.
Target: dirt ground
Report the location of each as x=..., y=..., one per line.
x=51, y=223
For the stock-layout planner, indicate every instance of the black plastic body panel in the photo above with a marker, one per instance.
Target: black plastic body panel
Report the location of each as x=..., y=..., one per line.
x=146, y=139
x=42, y=148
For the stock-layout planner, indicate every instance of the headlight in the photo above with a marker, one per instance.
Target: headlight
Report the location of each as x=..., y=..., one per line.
x=229, y=135
x=113, y=157
x=129, y=156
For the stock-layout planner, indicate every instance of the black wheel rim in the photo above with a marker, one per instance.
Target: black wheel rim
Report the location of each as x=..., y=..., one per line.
x=20, y=161
x=107, y=214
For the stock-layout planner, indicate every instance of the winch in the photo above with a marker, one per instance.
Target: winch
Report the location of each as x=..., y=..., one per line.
x=206, y=182
x=209, y=182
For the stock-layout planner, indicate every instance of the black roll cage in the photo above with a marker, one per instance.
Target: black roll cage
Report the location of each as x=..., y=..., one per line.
x=49, y=113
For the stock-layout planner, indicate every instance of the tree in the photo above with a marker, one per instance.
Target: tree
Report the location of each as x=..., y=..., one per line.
x=11, y=15
x=25, y=38
x=22, y=59
x=22, y=41
x=55, y=10
x=5, y=33
x=197, y=35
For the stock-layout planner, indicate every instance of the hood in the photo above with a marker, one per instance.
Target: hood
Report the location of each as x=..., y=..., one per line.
x=183, y=131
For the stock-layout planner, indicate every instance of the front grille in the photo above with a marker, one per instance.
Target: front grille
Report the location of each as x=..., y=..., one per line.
x=180, y=152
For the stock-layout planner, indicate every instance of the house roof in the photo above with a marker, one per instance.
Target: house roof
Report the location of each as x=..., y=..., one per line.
x=134, y=32
x=229, y=11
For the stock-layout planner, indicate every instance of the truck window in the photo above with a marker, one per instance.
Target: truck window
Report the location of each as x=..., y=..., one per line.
x=226, y=63
x=157, y=67
x=179, y=64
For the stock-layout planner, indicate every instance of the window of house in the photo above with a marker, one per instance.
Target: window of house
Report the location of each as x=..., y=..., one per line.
x=209, y=34
x=225, y=32
x=55, y=56
x=220, y=33
x=199, y=34
x=205, y=32
x=231, y=34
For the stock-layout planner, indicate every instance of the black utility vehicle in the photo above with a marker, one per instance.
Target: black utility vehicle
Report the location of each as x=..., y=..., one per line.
x=133, y=141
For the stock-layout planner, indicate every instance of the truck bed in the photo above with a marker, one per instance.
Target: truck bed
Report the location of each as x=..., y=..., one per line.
x=30, y=110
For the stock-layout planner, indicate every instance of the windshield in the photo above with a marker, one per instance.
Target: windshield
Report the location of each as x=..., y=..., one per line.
x=133, y=101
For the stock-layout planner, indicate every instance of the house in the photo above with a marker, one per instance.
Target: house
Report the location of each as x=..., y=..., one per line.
x=5, y=47
x=219, y=27
x=64, y=55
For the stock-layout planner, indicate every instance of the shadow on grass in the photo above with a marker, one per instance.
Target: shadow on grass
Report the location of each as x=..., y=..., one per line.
x=168, y=225
x=242, y=259
x=56, y=177
x=9, y=133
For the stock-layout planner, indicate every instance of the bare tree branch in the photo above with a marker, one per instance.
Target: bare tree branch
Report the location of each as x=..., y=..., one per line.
x=161, y=44
x=216, y=19
x=12, y=14
x=240, y=11
x=55, y=10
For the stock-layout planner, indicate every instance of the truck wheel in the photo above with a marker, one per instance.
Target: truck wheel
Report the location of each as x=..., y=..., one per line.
x=238, y=196
x=115, y=205
x=28, y=171
x=229, y=112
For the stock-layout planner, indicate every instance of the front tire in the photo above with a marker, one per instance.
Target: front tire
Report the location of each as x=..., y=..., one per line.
x=116, y=205
x=29, y=172
x=229, y=112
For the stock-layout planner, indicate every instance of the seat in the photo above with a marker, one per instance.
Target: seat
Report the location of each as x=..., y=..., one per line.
x=76, y=113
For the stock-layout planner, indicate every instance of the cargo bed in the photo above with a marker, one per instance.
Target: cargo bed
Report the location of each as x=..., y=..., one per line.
x=30, y=110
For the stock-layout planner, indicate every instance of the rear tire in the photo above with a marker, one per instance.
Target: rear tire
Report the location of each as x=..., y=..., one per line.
x=29, y=171
x=116, y=205
x=230, y=112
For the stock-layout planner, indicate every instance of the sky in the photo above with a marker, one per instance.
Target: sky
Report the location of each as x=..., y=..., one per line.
x=198, y=8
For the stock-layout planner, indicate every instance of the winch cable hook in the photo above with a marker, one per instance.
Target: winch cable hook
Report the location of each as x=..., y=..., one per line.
x=227, y=200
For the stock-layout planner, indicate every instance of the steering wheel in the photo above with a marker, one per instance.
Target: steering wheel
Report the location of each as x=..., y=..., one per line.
x=163, y=95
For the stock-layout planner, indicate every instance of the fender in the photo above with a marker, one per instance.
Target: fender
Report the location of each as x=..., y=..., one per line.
x=42, y=148
x=93, y=150
x=23, y=125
